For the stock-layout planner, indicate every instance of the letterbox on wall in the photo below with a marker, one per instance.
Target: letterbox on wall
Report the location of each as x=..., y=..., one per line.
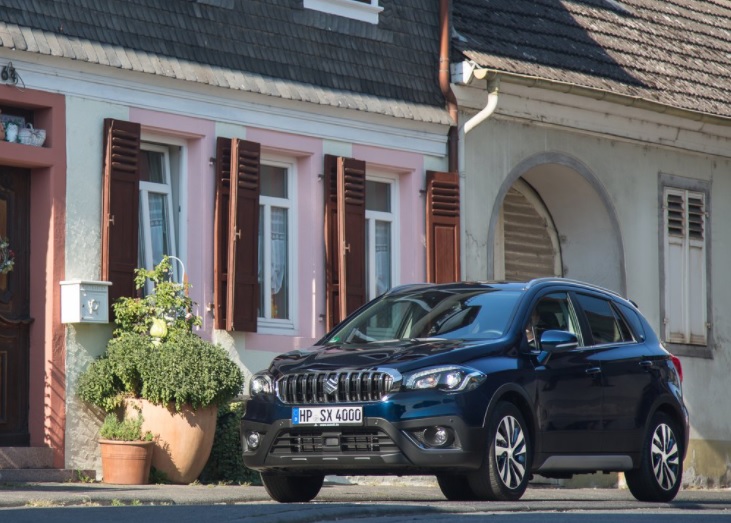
x=85, y=301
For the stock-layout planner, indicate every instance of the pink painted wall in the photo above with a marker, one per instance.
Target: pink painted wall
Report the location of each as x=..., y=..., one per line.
x=200, y=138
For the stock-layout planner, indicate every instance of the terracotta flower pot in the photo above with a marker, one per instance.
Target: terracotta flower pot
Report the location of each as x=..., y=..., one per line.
x=183, y=439
x=126, y=462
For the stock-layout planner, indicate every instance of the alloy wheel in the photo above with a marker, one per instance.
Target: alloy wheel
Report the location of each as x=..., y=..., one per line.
x=665, y=456
x=510, y=452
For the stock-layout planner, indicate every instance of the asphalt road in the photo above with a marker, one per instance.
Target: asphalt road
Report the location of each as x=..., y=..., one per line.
x=74, y=502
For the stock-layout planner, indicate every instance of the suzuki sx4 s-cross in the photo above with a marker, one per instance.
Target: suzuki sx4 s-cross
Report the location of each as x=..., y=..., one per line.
x=482, y=385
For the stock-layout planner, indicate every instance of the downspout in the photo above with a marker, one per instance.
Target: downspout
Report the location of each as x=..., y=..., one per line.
x=444, y=84
x=493, y=87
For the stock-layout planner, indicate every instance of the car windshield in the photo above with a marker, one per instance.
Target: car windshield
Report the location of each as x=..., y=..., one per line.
x=477, y=313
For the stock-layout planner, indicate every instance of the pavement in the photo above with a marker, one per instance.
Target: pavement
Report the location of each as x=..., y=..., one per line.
x=47, y=495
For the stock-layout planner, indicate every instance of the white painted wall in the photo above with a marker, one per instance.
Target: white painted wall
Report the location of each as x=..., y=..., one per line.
x=621, y=154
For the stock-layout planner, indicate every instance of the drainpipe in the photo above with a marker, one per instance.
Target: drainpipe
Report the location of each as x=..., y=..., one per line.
x=444, y=84
x=493, y=87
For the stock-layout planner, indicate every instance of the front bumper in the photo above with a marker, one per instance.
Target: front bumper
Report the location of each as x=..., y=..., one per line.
x=377, y=447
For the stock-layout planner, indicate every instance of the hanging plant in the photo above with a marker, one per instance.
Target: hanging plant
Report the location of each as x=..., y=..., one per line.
x=7, y=256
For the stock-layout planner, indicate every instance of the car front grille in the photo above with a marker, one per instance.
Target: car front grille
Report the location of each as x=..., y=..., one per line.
x=335, y=387
x=360, y=441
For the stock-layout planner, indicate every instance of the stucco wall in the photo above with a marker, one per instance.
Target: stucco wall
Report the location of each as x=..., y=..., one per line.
x=624, y=178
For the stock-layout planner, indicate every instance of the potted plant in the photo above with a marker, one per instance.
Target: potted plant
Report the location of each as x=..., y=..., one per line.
x=126, y=451
x=157, y=365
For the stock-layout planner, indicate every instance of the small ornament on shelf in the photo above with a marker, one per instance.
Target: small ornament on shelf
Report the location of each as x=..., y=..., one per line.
x=7, y=256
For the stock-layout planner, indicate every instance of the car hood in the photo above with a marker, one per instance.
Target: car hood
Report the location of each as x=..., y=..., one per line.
x=401, y=355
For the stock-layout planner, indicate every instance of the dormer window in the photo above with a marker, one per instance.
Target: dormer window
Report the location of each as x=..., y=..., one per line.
x=363, y=10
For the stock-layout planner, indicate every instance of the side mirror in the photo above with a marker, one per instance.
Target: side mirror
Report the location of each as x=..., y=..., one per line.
x=558, y=341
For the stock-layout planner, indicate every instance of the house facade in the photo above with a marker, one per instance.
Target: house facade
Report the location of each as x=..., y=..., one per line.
x=283, y=152
x=595, y=145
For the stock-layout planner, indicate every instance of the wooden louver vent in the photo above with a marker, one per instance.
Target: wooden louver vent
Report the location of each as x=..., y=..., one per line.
x=445, y=199
x=354, y=186
x=696, y=218
x=676, y=210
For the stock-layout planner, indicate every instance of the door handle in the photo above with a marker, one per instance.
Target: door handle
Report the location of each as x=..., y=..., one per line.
x=646, y=364
x=593, y=370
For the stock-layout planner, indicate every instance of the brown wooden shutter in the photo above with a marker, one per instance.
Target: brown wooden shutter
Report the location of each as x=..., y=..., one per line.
x=345, y=248
x=120, y=207
x=236, y=237
x=442, y=227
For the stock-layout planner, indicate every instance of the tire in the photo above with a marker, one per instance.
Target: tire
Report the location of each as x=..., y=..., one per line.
x=660, y=473
x=287, y=488
x=456, y=487
x=505, y=470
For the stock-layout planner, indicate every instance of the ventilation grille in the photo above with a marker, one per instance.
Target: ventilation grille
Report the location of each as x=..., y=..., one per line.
x=312, y=442
x=678, y=212
x=334, y=387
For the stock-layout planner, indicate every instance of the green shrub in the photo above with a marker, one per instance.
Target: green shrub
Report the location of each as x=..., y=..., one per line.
x=226, y=463
x=154, y=354
x=124, y=430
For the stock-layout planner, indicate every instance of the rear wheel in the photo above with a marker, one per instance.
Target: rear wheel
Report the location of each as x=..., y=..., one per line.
x=660, y=472
x=455, y=487
x=287, y=488
x=505, y=470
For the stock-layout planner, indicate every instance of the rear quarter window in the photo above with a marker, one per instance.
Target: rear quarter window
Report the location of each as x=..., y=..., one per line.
x=633, y=320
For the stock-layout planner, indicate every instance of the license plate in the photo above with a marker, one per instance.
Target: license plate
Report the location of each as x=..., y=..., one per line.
x=323, y=416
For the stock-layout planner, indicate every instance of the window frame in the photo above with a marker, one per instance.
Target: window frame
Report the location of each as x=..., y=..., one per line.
x=701, y=187
x=268, y=325
x=354, y=9
x=393, y=217
x=167, y=189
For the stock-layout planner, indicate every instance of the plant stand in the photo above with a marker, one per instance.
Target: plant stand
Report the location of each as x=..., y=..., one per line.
x=126, y=462
x=183, y=440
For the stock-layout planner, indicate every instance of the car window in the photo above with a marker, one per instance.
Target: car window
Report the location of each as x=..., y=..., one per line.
x=551, y=312
x=633, y=320
x=604, y=322
x=481, y=313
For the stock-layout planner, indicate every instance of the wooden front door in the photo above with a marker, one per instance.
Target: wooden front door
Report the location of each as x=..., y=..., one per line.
x=14, y=306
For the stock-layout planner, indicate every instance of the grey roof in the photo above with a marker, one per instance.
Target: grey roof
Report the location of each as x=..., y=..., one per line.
x=272, y=47
x=672, y=52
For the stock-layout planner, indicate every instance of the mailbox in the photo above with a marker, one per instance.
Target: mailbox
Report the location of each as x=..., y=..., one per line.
x=85, y=301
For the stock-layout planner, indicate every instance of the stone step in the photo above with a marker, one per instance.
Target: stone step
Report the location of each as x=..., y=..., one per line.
x=26, y=458
x=46, y=475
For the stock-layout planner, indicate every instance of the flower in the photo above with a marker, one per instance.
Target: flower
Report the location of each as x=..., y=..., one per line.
x=7, y=256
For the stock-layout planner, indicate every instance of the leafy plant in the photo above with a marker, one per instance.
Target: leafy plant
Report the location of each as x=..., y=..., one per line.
x=124, y=429
x=225, y=463
x=155, y=355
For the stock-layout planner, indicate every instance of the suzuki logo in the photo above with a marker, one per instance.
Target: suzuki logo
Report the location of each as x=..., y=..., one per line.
x=331, y=385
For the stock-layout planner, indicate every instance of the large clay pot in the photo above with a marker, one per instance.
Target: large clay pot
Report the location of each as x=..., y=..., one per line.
x=126, y=462
x=183, y=440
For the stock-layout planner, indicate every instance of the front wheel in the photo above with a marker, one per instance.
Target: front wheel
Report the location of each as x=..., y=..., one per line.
x=287, y=488
x=505, y=470
x=661, y=466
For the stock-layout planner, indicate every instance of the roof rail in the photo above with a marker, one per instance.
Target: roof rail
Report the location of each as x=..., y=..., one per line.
x=558, y=279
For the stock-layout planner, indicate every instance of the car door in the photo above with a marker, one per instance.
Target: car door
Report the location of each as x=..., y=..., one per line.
x=569, y=388
x=627, y=371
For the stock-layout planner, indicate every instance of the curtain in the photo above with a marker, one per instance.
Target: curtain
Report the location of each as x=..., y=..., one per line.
x=383, y=257
x=279, y=249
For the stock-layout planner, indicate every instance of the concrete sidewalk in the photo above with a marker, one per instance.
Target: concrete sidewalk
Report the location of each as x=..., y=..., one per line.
x=102, y=494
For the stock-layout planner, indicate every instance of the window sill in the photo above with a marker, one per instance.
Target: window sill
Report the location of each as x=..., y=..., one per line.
x=277, y=327
x=346, y=8
x=689, y=351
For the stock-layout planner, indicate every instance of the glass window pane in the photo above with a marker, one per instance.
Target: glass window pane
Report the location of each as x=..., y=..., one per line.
x=383, y=257
x=273, y=181
x=378, y=196
x=279, y=264
x=152, y=166
x=261, y=262
x=159, y=226
x=602, y=322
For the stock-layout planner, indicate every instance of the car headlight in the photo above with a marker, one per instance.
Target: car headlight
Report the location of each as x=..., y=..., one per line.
x=261, y=383
x=450, y=379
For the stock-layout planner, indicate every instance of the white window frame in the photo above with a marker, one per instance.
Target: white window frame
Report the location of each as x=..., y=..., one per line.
x=365, y=12
x=266, y=324
x=177, y=240
x=393, y=218
x=701, y=292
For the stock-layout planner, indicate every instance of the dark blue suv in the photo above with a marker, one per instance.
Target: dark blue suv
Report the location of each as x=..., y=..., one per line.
x=480, y=384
